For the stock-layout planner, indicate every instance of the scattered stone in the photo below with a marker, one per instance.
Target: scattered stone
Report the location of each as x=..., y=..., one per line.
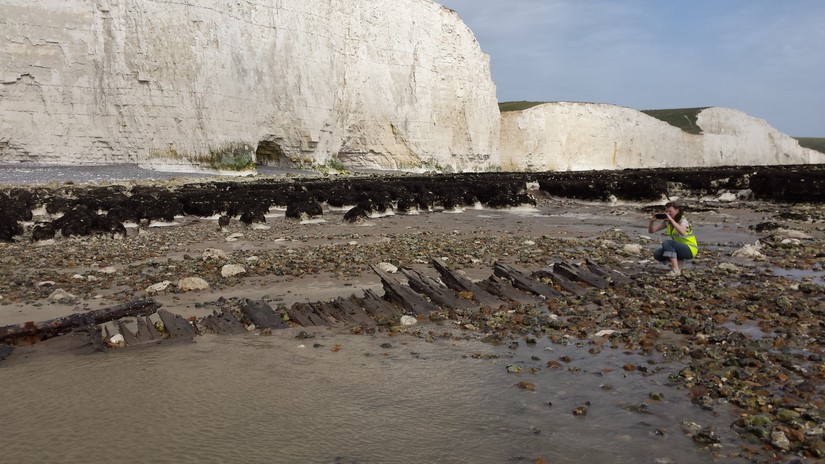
x=234, y=237
x=750, y=251
x=514, y=368
x=158, y=287
x=729, y=267
x=780, y=440
x=633, y=248
x=604, y=333
x=117, y=341
x=191, y=284
x=213, y=254
x=61, y=296
x=231, y=270
x=387, y=267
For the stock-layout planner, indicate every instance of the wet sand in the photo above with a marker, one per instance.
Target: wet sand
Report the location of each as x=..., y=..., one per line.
x=771, y=302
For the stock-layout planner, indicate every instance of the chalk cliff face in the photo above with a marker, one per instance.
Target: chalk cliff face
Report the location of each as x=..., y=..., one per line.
x=583, y=136
x=371, y=83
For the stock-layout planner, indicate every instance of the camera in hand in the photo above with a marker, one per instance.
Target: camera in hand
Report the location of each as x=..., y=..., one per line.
x=661, y=216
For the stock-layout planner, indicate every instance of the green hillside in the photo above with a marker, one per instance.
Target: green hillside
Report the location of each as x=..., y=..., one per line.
x=813, y=143
x=683, y=118
x=517, y=105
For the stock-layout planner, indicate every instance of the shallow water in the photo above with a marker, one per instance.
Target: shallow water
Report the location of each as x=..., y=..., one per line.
x=814, y=276
x=279, y=399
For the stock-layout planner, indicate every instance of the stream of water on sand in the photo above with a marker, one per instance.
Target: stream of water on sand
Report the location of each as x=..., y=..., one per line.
x=341, y=398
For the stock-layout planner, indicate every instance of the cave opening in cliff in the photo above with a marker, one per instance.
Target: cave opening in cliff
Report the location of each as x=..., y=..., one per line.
x=270, y=153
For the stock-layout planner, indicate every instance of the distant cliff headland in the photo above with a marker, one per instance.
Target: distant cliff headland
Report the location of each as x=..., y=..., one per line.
x=366, y=84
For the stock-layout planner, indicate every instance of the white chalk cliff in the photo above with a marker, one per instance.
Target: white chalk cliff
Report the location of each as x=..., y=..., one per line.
x=374, y=83
x=582, y=136
x=380, y=84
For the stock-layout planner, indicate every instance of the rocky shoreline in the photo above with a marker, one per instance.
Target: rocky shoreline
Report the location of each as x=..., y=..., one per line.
x=744, y=323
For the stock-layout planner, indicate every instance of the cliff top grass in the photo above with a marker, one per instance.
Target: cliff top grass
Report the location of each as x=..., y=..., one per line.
x=517, y=105
x=814, y=143
x=683, y=118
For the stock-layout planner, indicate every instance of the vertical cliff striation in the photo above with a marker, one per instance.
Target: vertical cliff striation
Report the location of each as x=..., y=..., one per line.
x=384, y=84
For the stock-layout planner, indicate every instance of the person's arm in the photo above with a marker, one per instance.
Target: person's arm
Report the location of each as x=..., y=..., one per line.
x=655, y=225
x=682, y=229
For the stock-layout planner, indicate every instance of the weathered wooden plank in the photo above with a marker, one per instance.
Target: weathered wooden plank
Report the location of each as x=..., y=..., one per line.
x=506, y=292
x=223, y=322
x=580, y=273
x=522, y=281
x=297, y=313
x=327, y=311
x=404, y=295
x=610, y=274
x=36, y=331
x=145, y=325
x=353, y=313
x=178, y=328
x=438, y=293
x=305, y=315
x=460, y=283
x=146, y=331
x=129, y=337
x=381, y=310
x=262, y=315
x=560, y=280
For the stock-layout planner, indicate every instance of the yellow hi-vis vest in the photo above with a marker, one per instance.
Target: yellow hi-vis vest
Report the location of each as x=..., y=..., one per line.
x=688, y=239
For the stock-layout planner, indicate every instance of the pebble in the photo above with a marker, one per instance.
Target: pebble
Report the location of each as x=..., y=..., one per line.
x=188, y=284
x=158, y=287
x=61, y=296
x=231, y=270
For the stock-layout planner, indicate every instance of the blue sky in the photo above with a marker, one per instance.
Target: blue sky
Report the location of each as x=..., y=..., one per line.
x=765, y=58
